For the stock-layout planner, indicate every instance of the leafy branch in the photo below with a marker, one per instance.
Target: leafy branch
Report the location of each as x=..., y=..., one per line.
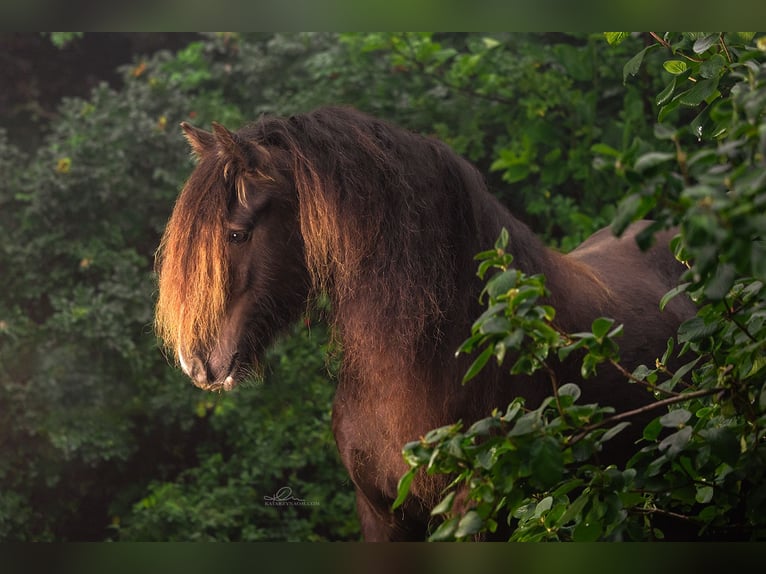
x=700, y=461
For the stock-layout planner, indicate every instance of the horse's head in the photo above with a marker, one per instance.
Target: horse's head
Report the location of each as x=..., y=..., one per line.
x=231, y=263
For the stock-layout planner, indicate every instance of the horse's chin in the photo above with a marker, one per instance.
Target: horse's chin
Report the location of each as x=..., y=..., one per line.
x=217, y=386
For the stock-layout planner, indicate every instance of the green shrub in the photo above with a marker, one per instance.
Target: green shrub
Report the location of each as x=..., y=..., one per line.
x=704, y=171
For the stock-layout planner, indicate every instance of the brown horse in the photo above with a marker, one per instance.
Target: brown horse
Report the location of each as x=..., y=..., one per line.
x=386, y=223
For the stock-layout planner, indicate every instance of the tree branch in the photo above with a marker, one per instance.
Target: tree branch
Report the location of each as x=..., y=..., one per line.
x=646, y=408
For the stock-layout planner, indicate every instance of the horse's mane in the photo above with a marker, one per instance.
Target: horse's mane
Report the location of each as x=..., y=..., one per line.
x=387, y=216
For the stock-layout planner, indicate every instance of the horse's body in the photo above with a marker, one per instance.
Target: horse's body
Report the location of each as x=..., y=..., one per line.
x=386, y=222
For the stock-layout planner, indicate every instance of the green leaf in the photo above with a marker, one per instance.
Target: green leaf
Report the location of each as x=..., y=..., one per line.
x=712, y=68
x=702, y=44
x=704, y=494
x=758, y=258
x=445, y=505
x=483, y=427
x=494, y=309
x=502, y=240
x=471, y=523
x=633, y=65
x=546, y=462
x=665, y=132
x=564, y=352
x=675, y=418
x=627, y=210
x=724, y=443
x=513, y=409
x=695, y=329
x=719, y=285
x=614, y=431
x=515, y=171
x=652, y=159
x=701, y=91
x=513, y=341
x=478, y=364
x=632, y=207
x=666, y=110
x=675, y=67
x=672, y=293
x=526, y=424
x=641, y=372
x=680, y=373
x=745, y=36
x=445, y=531
x=652, y=430
x=502, y=283
x=587, y=531
x=403, y=489
x=675, y=443
x=664, y=96
x=604, y=149
x=567, y=487
x=570, y=390
x=495, y=326
x=616, y=38
x=574, y=509
x=601, y=326
x=543, y=506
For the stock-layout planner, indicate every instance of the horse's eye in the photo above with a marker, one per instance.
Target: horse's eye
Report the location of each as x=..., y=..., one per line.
x=238, y=236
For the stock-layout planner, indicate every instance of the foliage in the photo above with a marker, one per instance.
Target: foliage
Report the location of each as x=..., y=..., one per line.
x=82, y=372
x=92, y=411
x=264, y=439
x=63, y=39
x=524, y=108
x=699, y=470
x=103, y=438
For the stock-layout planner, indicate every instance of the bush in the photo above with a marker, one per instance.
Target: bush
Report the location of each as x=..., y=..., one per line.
x=92, y=411
x=704, y=171
x=264, y=439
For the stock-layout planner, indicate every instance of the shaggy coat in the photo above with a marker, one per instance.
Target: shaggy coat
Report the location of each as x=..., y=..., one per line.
x=386, y=223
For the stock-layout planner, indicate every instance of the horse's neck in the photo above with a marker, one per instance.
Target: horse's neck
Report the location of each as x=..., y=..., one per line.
x=372, y=320
x=389, y=373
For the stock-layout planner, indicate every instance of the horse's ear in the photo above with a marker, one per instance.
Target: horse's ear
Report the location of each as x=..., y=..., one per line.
x=229, y=143
x=248, y=155
x=199, y=140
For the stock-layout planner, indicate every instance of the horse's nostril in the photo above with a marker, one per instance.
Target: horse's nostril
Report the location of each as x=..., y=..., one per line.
x=198, y=373
x=216, y=372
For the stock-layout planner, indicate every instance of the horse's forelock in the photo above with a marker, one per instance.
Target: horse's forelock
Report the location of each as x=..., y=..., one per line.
x=192, y=263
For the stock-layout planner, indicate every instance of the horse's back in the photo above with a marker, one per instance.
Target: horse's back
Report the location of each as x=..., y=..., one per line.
x=631, y=283
x=612, y=257
x=634, y=283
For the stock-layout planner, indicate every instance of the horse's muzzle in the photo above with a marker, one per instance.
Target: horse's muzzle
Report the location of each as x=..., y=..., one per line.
x=202, y=374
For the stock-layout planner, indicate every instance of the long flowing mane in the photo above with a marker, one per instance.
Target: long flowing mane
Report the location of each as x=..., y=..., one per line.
x=385, y=217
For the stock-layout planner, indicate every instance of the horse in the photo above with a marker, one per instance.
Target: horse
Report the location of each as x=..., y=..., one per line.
x=385, y=222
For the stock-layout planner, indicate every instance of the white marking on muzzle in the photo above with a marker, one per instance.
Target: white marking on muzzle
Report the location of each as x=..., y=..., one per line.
x=184, y=365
